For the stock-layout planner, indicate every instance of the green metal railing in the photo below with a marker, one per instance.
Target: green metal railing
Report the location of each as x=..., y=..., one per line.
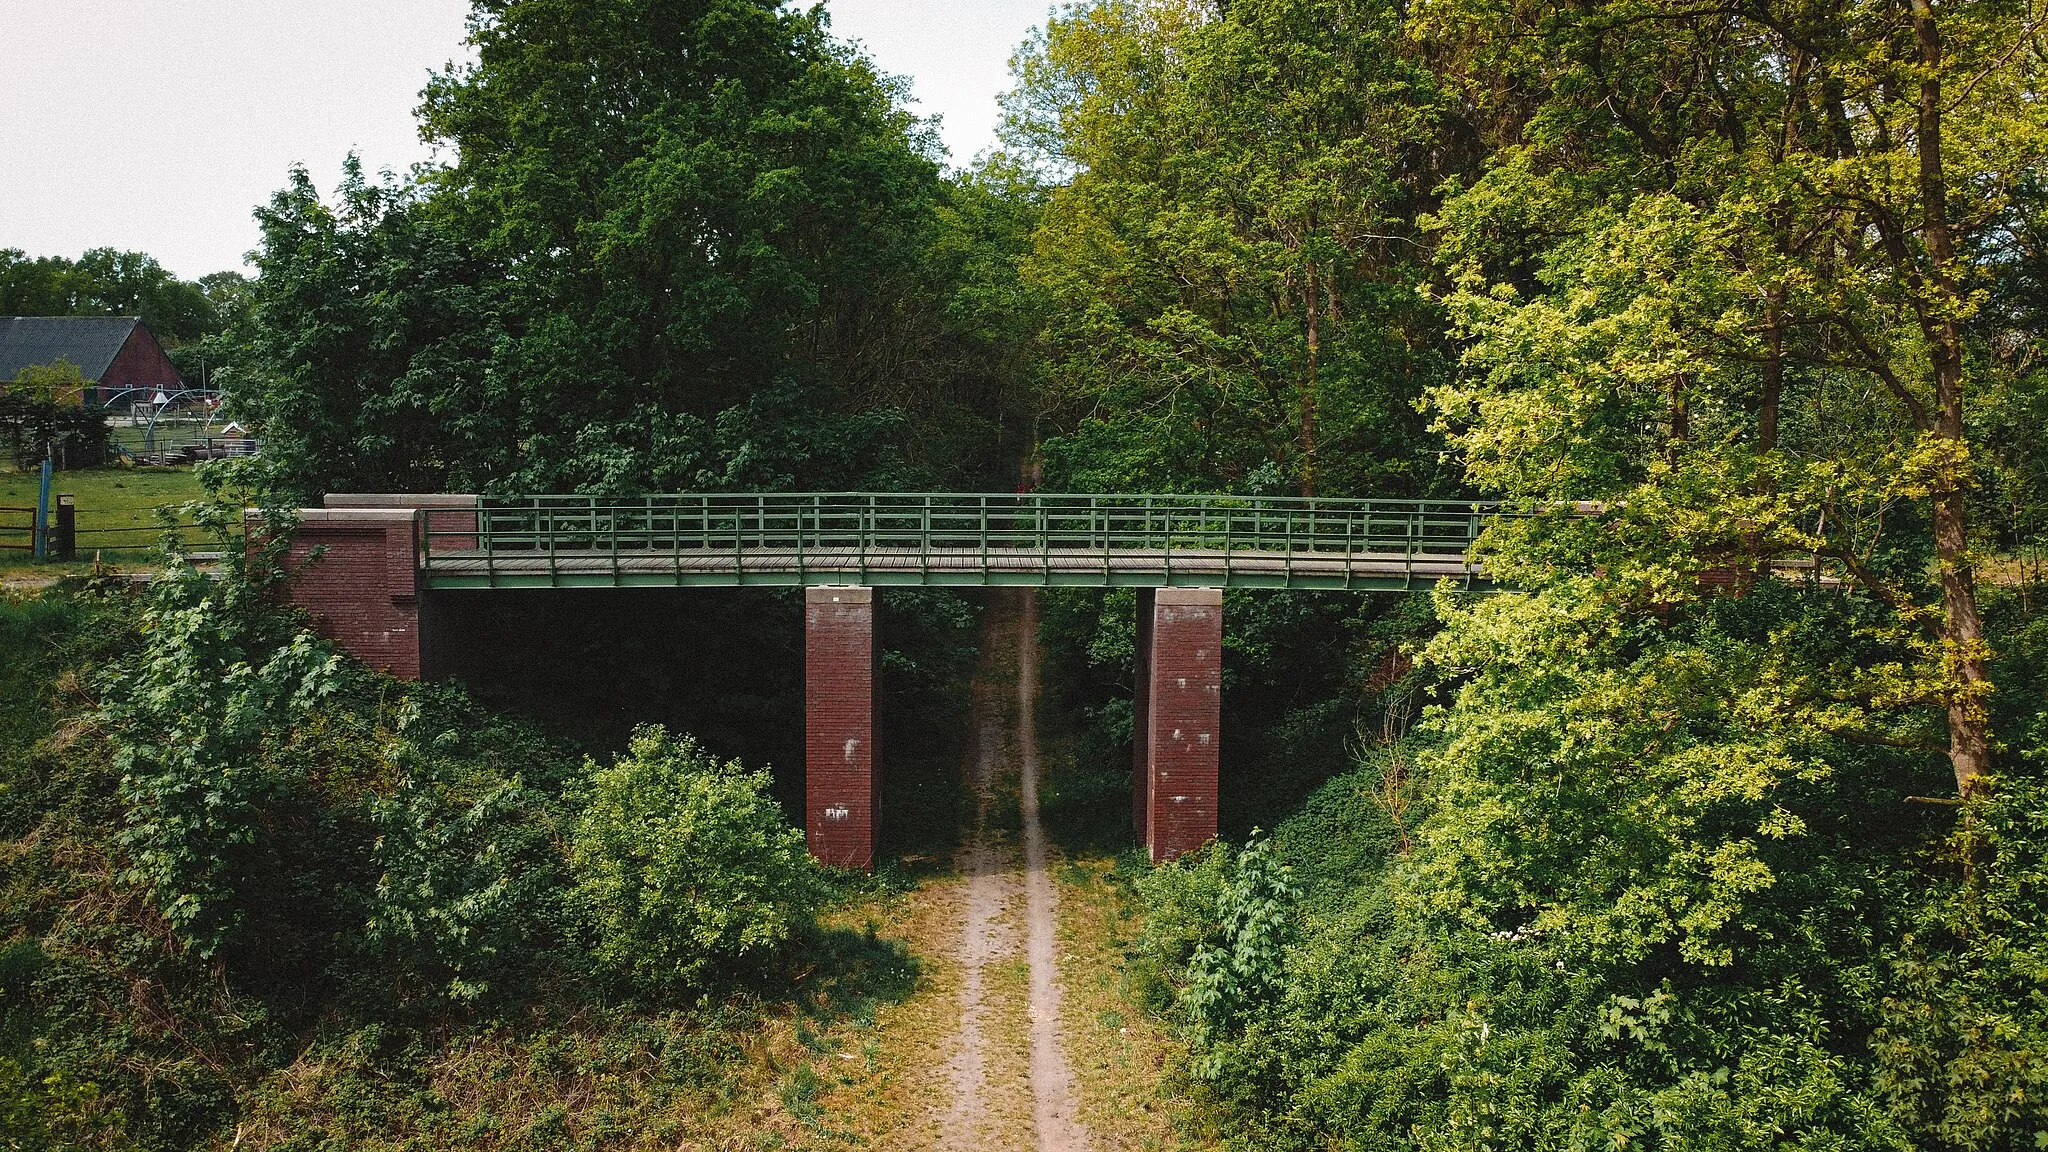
x=950, y=539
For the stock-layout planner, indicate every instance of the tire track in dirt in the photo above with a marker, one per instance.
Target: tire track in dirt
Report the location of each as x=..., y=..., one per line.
x=974, y=1061
x=985, y=936
x=1052, y=1078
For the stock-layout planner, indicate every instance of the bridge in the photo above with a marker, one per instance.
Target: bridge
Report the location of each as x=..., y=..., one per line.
x=928, y=539
x=369, y=567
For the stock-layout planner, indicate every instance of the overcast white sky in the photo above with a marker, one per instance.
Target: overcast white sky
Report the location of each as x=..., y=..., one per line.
x=157, y=125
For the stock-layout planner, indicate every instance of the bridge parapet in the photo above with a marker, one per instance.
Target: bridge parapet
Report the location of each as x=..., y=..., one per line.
x=881, y=539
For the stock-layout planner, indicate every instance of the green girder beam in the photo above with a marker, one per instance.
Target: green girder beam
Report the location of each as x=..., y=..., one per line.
x=950, y=540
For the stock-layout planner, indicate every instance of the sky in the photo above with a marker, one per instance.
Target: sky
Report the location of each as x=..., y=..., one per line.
x=158, y=125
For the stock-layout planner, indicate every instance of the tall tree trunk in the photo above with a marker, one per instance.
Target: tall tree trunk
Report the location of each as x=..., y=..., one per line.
x=1767, y=407
x=1680, y=420
x=1774, y=379
x=1308, y=385
x=1962, y=631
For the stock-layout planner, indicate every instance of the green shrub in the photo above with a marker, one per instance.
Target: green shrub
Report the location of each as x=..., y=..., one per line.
x=1180, y=901
x=468, y=873
x=1240, y=971
x=685, y=865
x=223, y=676
x=1963, y=1050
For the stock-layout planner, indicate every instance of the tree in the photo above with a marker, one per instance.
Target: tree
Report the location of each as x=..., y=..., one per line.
x=1725, y=287
x=1230, y=267
x=369, y=346
x=44, y=416
x=709, y=208
x=106, y=282
x=684, y=244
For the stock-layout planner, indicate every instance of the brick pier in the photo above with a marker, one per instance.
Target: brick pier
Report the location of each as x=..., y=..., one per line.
x=841, y=687
x=1141, y=720
x=1178, y=730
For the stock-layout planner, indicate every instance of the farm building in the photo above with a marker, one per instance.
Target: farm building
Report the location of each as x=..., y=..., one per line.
x=116, y=353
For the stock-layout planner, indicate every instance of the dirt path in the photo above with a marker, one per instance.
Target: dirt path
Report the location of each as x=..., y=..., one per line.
x=1052, y=1080
x=1020, y=1036
x=987, y=936
x=1006, y=755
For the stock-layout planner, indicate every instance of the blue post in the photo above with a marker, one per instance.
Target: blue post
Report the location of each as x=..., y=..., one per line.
x=42, y=540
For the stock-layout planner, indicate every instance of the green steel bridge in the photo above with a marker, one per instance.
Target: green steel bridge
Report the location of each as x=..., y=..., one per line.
x=929, y=539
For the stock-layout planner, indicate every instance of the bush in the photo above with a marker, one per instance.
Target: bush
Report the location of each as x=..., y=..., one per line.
x=1239, y=972
x=685, y=866
x=468, y=870
x=1963, y=1050
x=223, y=675
x=1181, y=919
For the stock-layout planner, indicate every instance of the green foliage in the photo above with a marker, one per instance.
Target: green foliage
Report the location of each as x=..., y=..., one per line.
x=1645, y=890
x=368, y=333
x=1240, y=971
x=1743, y=311
x=685, y=867
x=683, y=246
x=101, y=1065
x=1228, y=271
x=105, y=282
x=222, y=676
x=1181, y=901
x=1659, y=870
x=469, y=879
x=402, y=953
x=34, y=1113
x=42, y=415
x=1963, y=1048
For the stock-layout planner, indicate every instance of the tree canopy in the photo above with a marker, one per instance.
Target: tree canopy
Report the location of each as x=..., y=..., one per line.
x=106, y=282
x=1229, y=270
x=689, y=244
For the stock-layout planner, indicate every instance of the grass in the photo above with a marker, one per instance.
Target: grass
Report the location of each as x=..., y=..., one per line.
x=1125, y=1062
x=116, y=513
x=123, y=1040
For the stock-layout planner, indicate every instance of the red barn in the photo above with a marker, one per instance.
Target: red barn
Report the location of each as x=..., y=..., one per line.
x=116, y=353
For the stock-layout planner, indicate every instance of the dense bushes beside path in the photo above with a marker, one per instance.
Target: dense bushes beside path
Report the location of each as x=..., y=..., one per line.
x=247, y=887
x=1638, y=907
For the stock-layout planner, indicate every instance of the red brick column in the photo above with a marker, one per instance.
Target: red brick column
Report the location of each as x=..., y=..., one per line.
x=1183, y=719
x=841, y=662
x=362, y=588
x=1141, y=720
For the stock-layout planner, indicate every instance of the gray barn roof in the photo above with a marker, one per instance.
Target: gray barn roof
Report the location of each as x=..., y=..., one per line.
x=90, y=343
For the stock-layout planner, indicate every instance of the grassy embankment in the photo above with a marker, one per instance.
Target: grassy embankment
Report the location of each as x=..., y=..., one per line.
x=116, y=516
x=111, y=1035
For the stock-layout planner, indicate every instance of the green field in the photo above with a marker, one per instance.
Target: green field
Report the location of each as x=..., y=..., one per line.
x=116, y=509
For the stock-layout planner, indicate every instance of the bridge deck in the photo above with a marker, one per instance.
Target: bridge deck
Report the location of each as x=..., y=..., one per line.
x=946, y=539
x=949, y=567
